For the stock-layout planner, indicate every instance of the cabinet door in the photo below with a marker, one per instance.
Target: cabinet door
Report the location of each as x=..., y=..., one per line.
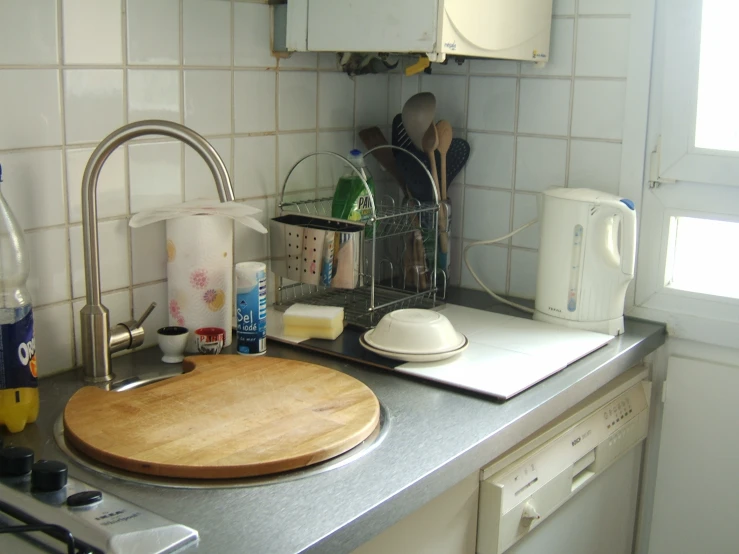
x=695, y=500
x=377, y=26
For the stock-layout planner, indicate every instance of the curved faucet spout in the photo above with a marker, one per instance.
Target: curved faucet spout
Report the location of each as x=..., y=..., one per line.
x=98, y=342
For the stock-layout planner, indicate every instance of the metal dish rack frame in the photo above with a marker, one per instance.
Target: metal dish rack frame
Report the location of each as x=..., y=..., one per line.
x=372, y=298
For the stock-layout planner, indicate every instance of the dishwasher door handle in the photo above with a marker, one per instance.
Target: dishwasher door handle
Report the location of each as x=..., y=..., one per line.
x=581, y=472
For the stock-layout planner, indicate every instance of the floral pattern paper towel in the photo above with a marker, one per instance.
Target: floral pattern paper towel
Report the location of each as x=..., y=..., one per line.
x=199, y=273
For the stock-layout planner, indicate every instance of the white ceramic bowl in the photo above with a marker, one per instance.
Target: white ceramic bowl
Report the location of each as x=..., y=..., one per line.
x=415, y=331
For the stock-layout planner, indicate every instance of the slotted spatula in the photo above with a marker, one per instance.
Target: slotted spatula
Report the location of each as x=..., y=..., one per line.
x=415, y=178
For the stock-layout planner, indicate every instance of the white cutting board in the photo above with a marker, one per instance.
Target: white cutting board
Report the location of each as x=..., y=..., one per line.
x=506, y=354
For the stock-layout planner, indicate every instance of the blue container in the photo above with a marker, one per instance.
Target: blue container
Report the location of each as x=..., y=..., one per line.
x=251, y=308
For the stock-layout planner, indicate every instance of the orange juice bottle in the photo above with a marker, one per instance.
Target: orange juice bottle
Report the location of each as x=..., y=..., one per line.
x=19, y=403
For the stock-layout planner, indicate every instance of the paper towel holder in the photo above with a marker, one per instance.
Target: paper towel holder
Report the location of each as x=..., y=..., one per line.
x=98, y=343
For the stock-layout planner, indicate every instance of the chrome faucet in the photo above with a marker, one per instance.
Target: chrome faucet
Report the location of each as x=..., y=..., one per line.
x=99, y=341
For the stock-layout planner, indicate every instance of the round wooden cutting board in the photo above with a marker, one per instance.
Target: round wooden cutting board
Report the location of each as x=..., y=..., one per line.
x=227, y=417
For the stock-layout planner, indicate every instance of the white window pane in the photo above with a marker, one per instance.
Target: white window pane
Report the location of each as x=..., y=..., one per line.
x=701, y=256
x=717, y=121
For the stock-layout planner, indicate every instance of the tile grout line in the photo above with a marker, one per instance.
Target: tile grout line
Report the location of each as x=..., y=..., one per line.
x=143, y=140
x=231, y=143
x=183, y=97
x=65, y=181
x=460, y=262
x=571, y=107
x=126, y=172
x=509, y=242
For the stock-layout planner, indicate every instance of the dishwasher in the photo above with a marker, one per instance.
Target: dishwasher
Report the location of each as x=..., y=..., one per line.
x=573, y=487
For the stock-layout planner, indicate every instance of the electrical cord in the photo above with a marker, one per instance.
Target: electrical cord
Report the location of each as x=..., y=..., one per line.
x=479, y=281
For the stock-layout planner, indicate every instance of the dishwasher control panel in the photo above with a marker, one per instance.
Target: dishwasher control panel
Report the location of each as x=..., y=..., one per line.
x=518, y=498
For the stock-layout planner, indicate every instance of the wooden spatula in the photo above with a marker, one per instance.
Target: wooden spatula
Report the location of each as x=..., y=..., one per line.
x=374, y=137
x=444, y=132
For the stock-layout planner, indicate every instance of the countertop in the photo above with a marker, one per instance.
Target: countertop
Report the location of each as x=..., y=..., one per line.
x=436, y=437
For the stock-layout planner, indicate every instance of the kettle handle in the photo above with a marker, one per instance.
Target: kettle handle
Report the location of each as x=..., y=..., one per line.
x=628, y=233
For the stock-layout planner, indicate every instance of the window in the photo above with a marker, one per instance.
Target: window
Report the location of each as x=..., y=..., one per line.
x=702, y=256
x=688, y=273
x=717, y=117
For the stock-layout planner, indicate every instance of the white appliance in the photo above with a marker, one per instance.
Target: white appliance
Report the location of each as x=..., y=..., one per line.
x=573, y=487
x=516, y=30
x=586, y=259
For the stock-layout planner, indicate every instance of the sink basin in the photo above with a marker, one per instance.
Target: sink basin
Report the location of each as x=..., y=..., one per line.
x=366, y=446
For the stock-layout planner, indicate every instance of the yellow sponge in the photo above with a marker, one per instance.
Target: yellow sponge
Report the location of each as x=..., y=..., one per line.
x=313, y=322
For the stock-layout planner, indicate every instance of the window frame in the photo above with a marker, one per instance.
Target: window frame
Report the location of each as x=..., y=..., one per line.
x=679, y=159
x=678, y=179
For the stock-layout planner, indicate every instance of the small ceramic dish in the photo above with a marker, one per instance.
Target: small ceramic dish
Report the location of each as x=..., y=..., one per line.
x=210, y=339
x=172, y=342
x=415, y=331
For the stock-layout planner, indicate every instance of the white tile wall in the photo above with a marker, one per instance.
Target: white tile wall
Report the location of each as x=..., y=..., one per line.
x=30, y=108
x=154, y=94
x=297, y=101
x=153, y=32
x=92, y=31
x=93, y=103
x=204, y=63
x=531, y=128
x=254, y=101
x=207, y=63
x=32, y=24
x=206, y=33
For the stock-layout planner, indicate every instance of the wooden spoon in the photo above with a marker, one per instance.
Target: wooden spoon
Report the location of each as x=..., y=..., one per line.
x=430, y=144
x=444, y=132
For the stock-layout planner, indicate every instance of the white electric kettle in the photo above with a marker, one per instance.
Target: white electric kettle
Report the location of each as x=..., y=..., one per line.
x=586, y=259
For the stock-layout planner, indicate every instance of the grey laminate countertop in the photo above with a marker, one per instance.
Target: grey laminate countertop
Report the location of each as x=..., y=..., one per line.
x=436, y=437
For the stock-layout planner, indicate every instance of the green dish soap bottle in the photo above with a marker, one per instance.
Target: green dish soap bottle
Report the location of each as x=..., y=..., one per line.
x=351, y=201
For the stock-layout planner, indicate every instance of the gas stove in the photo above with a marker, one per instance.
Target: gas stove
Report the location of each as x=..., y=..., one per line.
x=44, y=510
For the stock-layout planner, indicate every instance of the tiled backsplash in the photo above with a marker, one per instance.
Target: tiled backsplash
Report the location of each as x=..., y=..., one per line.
x=71, y=71
x=531, y=128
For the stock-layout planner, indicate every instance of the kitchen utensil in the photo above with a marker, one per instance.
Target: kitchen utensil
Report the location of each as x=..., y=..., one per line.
x=586, y=259
x=210, y=340
x=415, y=179
x=172, y=342
x=228, y=417
x=417, y=358
x=444, y=133
x=414, y=331
x=418, y=113
x=399, y=137
x=419, y=261
x=429, y=142
x=372, y=138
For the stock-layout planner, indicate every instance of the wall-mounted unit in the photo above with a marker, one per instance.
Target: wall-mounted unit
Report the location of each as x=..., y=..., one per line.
x=504, y=29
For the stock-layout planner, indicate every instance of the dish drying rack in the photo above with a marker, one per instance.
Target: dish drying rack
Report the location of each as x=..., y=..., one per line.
x=386, y=282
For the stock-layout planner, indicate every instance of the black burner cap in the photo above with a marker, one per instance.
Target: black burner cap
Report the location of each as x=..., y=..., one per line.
x=84, y=499
x=15, y=461
x=48, y=475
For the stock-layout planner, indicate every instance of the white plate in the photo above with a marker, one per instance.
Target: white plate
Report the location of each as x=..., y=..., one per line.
x=407, y=357
x=367, y=336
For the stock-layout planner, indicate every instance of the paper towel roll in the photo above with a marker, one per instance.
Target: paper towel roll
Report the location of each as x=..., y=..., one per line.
x=200, y=273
